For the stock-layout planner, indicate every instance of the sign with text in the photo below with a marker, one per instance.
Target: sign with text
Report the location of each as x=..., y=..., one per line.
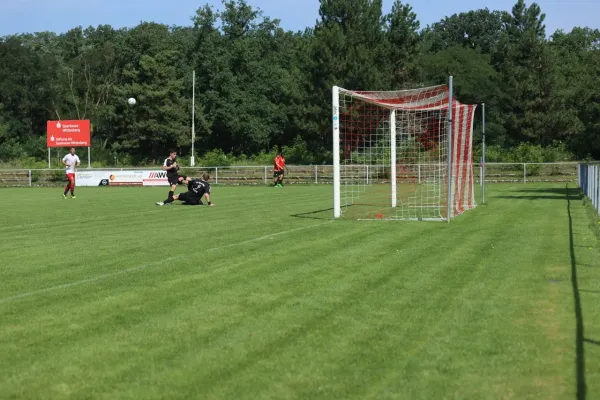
x=121, y=178
x=74, y=133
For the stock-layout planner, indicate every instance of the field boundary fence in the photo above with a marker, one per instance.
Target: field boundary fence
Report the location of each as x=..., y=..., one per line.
x=495, y=172
x=588, y=178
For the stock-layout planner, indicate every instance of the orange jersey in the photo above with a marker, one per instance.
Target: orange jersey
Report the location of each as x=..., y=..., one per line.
x=279, y=163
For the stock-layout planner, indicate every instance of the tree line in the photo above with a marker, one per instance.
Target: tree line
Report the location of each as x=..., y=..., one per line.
x=261, y=87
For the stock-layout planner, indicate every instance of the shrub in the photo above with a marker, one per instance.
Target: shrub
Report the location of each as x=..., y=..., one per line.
x=214, y=158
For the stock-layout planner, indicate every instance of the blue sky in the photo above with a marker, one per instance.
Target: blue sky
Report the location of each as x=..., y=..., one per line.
x=18, y=16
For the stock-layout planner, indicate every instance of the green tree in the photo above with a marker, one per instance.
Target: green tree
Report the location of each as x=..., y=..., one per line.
x=527, y=75
x=348, y=50
x=259, y=87
x=578, y=71
x=403, y=39
x=160, y=120
x=475, y=82
x=249, y=78
x=24, y=79
x=479, y=30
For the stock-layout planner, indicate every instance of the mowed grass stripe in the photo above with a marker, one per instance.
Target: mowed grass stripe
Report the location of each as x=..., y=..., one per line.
x=301, y=240
x=133, y=202
x=405, y=305
x=183, y=302
x=461, y=310
x=186, y=271
x=503, y=380
x=444, y=292
x=459, y=251
x=102, y=312
x=445, y=370
x=129, y=206
x=144, y=245
x=163, y=262
x=324, y=333
x=521, y=287
x=157, y=227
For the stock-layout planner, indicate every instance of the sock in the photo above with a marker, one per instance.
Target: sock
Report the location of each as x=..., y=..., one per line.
x=169, y=197
x=72, y=190
x=67, y=189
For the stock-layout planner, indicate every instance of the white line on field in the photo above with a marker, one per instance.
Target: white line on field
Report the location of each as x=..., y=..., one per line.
x=94, y=279
x=144, y=266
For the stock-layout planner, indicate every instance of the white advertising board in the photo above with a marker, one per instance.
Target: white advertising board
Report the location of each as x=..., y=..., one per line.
x=121, y=178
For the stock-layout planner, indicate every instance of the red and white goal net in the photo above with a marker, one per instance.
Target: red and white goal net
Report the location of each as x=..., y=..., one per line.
x=394, y=157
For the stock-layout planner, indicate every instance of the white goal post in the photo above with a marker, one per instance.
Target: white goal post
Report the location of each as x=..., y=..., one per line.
x=401, y=155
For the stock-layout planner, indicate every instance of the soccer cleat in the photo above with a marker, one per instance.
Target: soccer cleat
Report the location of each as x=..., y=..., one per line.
x=159, y=203
x=64, y=196
x=73, y=197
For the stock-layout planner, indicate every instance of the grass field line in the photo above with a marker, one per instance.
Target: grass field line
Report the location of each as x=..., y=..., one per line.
x=144, y=266
x=78, y=220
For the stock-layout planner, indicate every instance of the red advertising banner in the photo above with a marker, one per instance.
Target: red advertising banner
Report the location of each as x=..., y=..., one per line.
x=74, y=133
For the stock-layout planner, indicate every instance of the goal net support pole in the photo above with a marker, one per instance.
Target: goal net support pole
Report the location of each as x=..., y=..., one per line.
x=337, y=209
x=449, y=204
x=393, y=158
x=482, y=177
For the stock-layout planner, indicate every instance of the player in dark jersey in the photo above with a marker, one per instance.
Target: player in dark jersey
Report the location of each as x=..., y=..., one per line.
x=197, y=188
x=170, y=165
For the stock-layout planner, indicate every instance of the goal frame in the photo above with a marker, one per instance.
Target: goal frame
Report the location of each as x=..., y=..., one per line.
x=448, y=178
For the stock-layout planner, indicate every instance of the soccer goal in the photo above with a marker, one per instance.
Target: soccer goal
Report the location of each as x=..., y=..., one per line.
x=400, y=155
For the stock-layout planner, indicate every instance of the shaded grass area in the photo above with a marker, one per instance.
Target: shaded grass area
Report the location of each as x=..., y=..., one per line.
x=263, y=296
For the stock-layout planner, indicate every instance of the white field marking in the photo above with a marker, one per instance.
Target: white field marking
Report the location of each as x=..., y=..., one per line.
x=144, y=266
x=93, y=279
x=76, y=220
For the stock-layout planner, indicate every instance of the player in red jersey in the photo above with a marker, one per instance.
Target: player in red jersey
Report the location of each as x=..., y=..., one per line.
x=71, y=161
x=278, y=170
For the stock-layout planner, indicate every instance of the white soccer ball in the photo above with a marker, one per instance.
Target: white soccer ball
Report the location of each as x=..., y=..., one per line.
x=131, y=101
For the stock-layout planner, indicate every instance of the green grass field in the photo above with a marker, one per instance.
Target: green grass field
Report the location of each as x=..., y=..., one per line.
x=265, y=297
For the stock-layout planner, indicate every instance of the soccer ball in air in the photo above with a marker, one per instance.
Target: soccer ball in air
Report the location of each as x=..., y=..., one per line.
x=131, y=101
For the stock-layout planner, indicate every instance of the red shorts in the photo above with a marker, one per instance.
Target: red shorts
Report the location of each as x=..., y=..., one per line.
x=71, y=176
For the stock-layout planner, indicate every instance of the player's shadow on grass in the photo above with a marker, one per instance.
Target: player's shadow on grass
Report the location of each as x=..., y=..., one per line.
x=588, y=266
x=589, y=291
x=566, y=191
x=324, y=214
x=574, y=194
x=545, y=194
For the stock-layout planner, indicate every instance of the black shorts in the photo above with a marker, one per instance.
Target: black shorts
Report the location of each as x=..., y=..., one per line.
x=277, y=173
x=173, y=180
x=189, y=200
